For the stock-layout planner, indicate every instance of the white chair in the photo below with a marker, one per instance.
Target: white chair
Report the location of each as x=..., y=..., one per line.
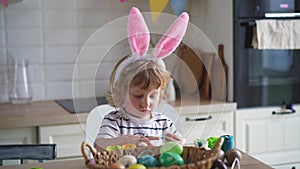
x=96, y=116
x=94, y=120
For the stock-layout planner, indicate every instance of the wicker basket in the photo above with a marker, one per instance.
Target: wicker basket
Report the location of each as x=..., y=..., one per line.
x=194, y=158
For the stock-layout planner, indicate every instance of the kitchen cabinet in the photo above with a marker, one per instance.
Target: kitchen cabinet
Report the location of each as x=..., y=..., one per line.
x=271, y=138
x=26, y=135
x=205, y=124
x=42, y=122
x=67, y=137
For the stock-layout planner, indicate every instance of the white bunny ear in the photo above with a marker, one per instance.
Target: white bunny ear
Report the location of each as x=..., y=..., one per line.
x=138, y=33
x=169, y=42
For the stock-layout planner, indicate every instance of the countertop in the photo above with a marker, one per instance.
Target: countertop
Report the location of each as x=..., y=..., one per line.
x=247, y=162
x=36, y=114
x=42, y=113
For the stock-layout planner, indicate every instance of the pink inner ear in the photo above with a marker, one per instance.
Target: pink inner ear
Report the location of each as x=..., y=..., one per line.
x=169, y=42
x=138, y=33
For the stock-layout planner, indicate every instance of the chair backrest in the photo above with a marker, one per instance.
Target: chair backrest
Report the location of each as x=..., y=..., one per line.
x=40, y=152
x=96, y=116
x=94, y=120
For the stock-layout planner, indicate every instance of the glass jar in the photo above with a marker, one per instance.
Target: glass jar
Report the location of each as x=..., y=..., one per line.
x=20, y=87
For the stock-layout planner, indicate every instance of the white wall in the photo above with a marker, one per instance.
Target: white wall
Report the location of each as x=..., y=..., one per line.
x=51, y=33
x=215, y=19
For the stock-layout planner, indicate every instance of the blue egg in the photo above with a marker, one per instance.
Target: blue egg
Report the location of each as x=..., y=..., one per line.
x=148, y=161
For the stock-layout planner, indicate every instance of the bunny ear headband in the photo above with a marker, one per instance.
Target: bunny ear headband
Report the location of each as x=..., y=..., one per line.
x=139, y=39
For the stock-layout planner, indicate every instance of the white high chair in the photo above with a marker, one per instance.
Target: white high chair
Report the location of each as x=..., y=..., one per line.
x=96, y=116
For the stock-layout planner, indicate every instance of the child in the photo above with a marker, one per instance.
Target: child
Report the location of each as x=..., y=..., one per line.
x=138, y=85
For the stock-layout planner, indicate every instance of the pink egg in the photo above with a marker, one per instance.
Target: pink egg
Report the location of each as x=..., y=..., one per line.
x=117, y=166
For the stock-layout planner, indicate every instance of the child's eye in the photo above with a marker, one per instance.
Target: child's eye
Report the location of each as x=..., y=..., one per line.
x=138, y=96
x=154, y=95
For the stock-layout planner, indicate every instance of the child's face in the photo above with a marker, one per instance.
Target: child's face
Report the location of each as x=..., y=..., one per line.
x=141, y=103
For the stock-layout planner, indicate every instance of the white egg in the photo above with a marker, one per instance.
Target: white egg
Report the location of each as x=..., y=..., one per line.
x=127, y=160
x=143, y=144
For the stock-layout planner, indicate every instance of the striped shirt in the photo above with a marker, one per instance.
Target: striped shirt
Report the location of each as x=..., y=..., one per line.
x=118, y=123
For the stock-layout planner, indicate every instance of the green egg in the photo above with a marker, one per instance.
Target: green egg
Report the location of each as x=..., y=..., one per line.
x=169, y=158
x=171, y=147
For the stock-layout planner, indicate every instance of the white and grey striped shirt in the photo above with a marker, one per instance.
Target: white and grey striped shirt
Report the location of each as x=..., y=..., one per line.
x=118, y=123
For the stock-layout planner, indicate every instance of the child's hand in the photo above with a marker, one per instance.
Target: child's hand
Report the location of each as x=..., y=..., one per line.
x=134, y=139
x=175, y=138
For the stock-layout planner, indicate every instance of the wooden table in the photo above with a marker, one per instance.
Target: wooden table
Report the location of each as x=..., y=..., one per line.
x=247, y=162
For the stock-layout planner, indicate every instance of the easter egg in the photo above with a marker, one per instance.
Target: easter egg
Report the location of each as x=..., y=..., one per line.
x=117, y=166
x=170, y=158
x=171, y=147
x=148, y=161
x=143, y=144
x=127, y=160
x=230, y=155
x=221, y=155
x=128, y=146
x=110, y=148
x=137, y=166
x=219, y=164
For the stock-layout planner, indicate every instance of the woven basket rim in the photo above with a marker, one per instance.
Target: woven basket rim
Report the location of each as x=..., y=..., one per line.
x=91, y=163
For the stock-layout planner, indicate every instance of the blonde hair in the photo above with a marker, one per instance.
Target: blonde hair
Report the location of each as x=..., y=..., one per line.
x=141, y=73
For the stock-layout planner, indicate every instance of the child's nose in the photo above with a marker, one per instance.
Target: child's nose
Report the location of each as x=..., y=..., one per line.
x=146, y=102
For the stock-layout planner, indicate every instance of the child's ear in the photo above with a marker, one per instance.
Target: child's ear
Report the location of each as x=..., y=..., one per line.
x=138, y=33
x=169, y=42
